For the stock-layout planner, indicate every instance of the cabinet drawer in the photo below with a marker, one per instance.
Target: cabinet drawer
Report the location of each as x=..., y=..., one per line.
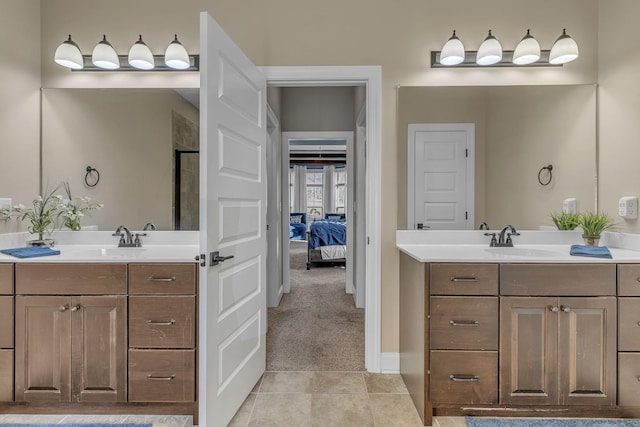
x=6, y=375
x=6, y=279
x=464, y=279
x=629, y=379
x=162, y=321
x=629, y=324
x=71, y=279
x=629, y=280
x=464, y=323
x=464, y=377
x=162, y=279
x=162, y=375
x=6, y=322
x=558, y=279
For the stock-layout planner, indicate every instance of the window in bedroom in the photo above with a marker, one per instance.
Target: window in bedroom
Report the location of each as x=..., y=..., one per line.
x=314, y=194
x=340, y=190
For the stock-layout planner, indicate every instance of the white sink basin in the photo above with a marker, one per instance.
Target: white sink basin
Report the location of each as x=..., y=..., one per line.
x=521, y=252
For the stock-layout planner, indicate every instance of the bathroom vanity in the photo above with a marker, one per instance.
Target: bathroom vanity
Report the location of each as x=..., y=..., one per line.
x=100, y=330
x=523, y=331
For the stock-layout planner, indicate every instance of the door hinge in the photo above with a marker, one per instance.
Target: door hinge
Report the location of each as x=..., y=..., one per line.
x=267, y=227
x=466, y=215
x=368, y=241
x=466, y=152
x=203, y=260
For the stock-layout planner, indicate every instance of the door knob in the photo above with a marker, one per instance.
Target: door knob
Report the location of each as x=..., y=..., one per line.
x=217, y=259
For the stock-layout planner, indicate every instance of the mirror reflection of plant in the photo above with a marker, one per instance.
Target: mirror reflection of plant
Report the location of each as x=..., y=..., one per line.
x=565, y=221
x=74, y=208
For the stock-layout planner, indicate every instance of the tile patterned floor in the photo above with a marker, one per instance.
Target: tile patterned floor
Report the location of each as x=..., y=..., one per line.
x=155, y=420
x=324, y=399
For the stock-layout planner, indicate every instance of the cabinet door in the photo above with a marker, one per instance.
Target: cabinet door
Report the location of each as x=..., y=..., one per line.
x=587, y=351
x=99, y=348
x=42, y=349
x=528, y=350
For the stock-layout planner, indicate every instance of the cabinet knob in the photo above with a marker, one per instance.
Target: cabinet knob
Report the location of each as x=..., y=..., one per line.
x=63, y=308
x=554, y=309
x=566, y=309
x=75, y=308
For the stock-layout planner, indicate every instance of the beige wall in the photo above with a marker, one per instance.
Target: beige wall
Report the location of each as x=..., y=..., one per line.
x=619, y=79
x=19, y=103
x=397, y=36
x=127, y=136
x=322, y=109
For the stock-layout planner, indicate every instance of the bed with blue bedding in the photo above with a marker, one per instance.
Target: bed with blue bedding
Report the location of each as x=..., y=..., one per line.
x=327, y=240
x=297, y=225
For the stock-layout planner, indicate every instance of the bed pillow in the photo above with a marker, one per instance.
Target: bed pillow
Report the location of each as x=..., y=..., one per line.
x=334, y=217
x=295, y=219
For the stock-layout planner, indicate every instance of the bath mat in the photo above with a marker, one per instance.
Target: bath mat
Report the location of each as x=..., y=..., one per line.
x=550, y=422
x=76, y=425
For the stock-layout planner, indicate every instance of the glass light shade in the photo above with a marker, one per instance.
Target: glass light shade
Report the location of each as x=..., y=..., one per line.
x=453, y=51
x=68, y=55
x=564, y=50
x=176, y=56
x=140, y=56
x=527, y=51
x=104, y=56
x=490, y=51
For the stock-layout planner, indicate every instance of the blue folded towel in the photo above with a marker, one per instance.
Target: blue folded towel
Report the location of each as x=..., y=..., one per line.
x=30, y=252
x=591, y=251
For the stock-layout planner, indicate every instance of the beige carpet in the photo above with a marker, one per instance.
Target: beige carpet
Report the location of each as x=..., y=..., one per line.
x=316, y=327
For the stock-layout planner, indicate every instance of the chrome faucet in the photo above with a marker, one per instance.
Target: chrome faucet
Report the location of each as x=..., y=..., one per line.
x=504, y=240
x=483, y=226
x=149, y=226
x=126, y=240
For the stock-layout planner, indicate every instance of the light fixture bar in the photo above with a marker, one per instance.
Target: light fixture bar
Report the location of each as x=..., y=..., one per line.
x=194, y=61
x=507, y=58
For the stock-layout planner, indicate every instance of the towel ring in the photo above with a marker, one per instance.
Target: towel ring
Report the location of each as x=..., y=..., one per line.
x=548, y=168
x=90, y=171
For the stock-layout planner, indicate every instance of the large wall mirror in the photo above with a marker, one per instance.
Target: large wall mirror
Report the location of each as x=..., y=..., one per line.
x=144, y=143
x=518, y=131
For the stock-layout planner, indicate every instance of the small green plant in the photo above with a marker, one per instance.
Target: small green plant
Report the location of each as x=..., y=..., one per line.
x=594, y=223
x=565, y=221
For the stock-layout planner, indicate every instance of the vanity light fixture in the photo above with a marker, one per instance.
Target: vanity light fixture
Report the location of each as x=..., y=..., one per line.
x=140, y=56
x=105, y=56
x=68, y=55
x=452, y=51
x=527, y=51
x=176, y=56
x=490, y=51
x=564, y=50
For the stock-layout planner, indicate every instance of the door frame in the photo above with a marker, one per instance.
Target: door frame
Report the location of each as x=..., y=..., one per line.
x=470, y=130
x=371, y=77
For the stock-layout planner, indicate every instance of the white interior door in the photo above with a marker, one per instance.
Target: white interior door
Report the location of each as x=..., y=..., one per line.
x=232, y=221
x=441, y=176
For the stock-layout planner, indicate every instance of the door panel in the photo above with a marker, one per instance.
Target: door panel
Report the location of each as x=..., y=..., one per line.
x=587, y=346
x=43, y=348
x=99, y=348
x=233, y=222
x=528, y=351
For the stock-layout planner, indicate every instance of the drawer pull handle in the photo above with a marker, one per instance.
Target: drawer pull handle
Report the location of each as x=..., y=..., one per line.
x=463, y=279
x=162, y=323
x=464, y=378
x=161, y=279
x=169, y=378
x=468, y=323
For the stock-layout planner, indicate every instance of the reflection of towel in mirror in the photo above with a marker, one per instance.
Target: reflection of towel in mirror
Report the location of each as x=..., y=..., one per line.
x=590, y=251
x=30, y=252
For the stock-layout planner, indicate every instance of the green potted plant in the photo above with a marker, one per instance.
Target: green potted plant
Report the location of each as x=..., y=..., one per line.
x=565, y=221
x=593, y=224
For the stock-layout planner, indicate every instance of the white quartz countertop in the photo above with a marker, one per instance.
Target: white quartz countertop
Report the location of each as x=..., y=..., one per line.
x=529, y=247
x=103, y=247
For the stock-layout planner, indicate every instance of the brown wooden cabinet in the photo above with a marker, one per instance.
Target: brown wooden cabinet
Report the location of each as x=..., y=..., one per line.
x=629, y=335
x=71, y=349
x=71, y=332
x=558, y=351
x=6, y=332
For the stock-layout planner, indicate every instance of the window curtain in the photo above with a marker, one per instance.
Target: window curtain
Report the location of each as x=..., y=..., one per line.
x=328, y=189
x=300, y=189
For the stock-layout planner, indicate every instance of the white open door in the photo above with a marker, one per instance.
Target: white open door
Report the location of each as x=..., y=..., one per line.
x=232, y=222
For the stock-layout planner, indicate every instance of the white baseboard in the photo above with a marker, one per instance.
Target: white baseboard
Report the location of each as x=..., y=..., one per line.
x=389, y=363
